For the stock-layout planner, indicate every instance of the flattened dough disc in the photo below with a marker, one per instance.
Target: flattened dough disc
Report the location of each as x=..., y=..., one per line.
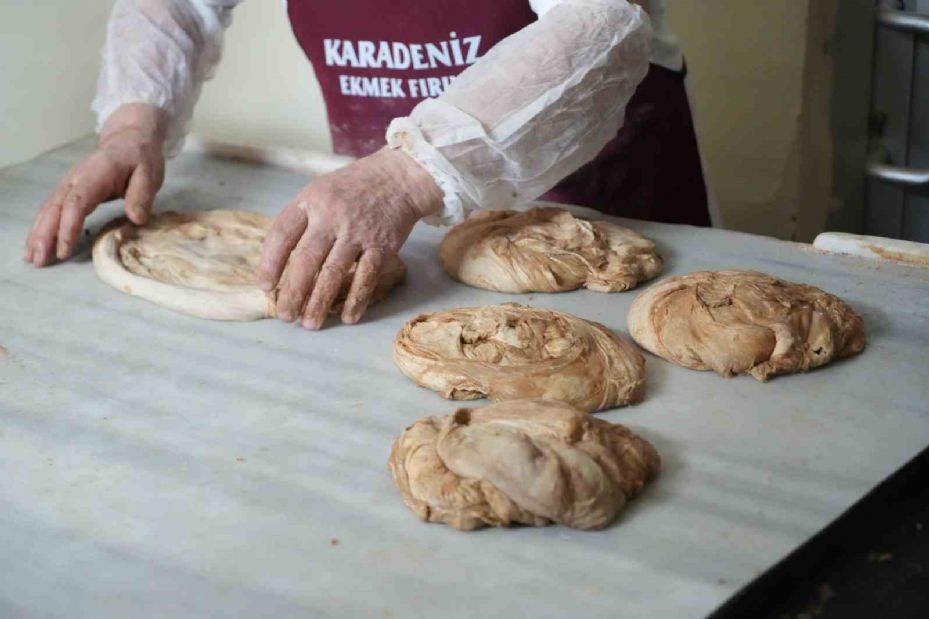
x=737, y=322
x=546, y=250
x=201, y=263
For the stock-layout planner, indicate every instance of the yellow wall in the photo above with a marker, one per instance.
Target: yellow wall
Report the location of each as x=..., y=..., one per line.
x=49, y=55
x=761, y=81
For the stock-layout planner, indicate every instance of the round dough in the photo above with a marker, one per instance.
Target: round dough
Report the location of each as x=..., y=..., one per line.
x=546, y=250
x=737, y=322
x=530, y=462
x=510, y=352
x=200, y=263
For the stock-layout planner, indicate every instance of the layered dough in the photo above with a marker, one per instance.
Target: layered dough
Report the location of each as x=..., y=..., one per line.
x=546, y=250
x=201, y=263
x=507, y=352
x=531, y=462
x=737, y=322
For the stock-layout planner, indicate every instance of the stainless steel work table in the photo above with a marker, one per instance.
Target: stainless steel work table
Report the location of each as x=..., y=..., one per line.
x=155, y=465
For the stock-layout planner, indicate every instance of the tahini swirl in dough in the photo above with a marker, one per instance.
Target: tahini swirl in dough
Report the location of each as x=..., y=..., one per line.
x=201, y=263
x=546, y=250
x=506, y=352
x=737, y=322
x=531, y=462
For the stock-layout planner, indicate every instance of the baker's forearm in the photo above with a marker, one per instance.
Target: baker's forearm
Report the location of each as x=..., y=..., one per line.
x=535, y=108
x=158, y=52
x=146, y=119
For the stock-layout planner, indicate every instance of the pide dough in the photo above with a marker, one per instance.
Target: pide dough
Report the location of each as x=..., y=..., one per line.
x=530, y=462
x=201, y=263
x=546, y=250
x=507, y=352
x=737, y=322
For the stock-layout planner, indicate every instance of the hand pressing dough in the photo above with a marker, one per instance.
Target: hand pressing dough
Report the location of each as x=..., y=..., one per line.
x=202, y=263
x=508, y=352
x=546, y=250
x=737, y=322
x=530, y=462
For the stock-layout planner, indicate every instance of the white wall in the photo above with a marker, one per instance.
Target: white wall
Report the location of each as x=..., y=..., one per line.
x=49, y=55
x=264, y=91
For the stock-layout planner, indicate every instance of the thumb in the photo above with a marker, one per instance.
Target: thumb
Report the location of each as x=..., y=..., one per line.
x=140, y=194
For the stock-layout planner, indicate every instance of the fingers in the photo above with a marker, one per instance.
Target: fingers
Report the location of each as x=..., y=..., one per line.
x=307, y=257
x=122, y=167
x=328, y=284
x=278, y=245
x=140, y=193
x=367, y=275
x=57, y=228
x=83, y=197
x=40, y=244
x=35, y=238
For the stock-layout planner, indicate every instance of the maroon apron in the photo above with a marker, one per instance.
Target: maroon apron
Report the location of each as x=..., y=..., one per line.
x=375, y=61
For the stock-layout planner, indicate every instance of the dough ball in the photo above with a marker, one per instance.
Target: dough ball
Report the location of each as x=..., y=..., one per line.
x=546, y=250
x=530, y=462
x=200, y=263
x=737, y=322
x=511, y=352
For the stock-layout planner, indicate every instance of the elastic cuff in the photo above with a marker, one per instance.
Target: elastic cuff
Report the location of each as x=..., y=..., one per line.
x=404, y=133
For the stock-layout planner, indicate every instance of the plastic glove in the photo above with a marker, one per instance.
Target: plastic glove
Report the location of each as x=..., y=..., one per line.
x=128, y=163
x=363, y=212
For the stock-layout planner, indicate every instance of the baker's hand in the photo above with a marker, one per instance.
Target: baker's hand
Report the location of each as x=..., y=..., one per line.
x=128, y=163
x=363, y=212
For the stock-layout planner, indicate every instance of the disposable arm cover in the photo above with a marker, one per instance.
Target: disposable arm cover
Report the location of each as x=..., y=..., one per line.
x=535, y=108
x=160, y=52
